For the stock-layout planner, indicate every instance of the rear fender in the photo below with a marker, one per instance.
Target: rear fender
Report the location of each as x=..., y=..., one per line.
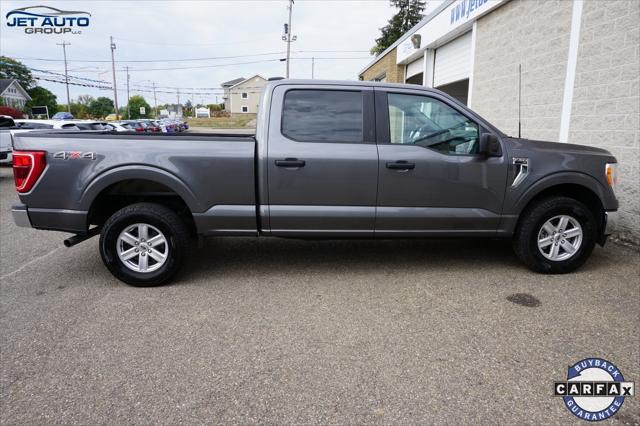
x=104, y=180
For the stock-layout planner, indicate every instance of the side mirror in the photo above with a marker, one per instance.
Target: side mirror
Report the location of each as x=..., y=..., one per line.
x=489, y=145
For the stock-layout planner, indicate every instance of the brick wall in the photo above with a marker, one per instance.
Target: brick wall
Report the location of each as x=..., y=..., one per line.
x=606, y=99
x=536, y=35
x=386, y=64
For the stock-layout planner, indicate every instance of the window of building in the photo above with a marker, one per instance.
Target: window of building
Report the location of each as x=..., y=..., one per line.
x=323, y=116
x=245, y=95
x=428, y=122
x=245, y=109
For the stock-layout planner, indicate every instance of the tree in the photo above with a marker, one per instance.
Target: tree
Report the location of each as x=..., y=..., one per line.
x=409, y=14
x=78, y=111
x=85, y=100
x=41, y=97
x=15, y=70
x=101, y=107
x=135, y=103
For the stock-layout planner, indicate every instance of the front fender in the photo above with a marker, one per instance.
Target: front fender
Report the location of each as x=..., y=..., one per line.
x=518, y=198
x=118, y=174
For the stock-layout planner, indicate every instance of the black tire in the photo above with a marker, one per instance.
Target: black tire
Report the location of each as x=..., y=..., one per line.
x=163, y=219
x=525, y=242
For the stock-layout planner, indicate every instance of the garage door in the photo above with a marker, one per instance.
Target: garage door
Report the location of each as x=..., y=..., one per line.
x=453, y=61
x=415, y=67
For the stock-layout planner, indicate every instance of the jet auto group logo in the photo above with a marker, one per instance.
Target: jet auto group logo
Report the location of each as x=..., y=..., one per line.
x=48, y=20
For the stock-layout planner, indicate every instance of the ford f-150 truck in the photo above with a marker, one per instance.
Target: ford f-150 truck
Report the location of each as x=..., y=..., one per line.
x=329, y=159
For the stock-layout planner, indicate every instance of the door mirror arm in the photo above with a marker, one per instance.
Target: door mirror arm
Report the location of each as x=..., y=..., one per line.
x=489, y=146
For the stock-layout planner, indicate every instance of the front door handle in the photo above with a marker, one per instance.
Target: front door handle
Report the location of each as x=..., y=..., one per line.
x=290, y=162
x=401, y=165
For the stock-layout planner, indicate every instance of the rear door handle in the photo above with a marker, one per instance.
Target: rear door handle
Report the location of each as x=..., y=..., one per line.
x=401, y=165
x=290, y=162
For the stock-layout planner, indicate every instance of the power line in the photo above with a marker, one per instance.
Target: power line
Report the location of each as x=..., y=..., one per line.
x=211, y=58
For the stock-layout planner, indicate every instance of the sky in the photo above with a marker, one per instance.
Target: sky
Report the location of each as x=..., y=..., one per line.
x=164, y=32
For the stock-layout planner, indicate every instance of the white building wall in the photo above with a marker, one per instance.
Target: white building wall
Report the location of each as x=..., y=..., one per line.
x=606, y=97
x=534, y=34
x=253, y=87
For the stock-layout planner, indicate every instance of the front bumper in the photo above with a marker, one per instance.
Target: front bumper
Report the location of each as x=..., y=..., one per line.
x=611, y=222
x=21, y=215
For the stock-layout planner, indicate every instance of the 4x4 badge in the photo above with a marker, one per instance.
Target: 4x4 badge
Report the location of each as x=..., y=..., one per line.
x=75, y=155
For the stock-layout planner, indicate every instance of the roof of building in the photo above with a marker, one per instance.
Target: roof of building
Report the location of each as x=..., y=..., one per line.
x=408, y=34
x=6, y=82
x=232, y=82
x=247, y=79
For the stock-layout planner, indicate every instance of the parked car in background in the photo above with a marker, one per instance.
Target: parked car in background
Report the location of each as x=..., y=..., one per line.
x=111, y=117
x=169, y=124
x=163, y=127
x=62, y=115
x=9, y=127
x=152, y=126
x=135, y=125
x=91, y=125
x=29, y=124
x=118, y=126
x=6, y=124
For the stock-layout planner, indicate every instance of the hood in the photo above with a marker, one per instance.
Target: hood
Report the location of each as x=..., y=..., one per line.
x=557, y=147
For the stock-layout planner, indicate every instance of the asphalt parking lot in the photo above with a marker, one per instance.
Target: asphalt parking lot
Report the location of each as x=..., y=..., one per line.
x=294, y=332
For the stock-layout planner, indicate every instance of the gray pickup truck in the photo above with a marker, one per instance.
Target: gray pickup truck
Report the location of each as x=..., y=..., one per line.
x=329, y=159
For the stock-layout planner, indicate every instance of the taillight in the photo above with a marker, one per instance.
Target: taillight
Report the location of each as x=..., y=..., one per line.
x=139, y=129
x=27, y=168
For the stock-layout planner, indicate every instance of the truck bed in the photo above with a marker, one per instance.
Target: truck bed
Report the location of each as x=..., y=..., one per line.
x=211, y=172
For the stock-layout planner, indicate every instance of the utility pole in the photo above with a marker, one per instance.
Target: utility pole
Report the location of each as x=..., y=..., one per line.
x=155, y=99
x=64, y=45
x=115, y=88
x=288, y=37
x=312, y=66
x=178, y=94
x=128, y=99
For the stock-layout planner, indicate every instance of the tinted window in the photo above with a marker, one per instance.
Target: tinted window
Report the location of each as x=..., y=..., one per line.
x=323, y=116
x=6, y=122
x=32, y=125
x=69, y=127
x=428, y=122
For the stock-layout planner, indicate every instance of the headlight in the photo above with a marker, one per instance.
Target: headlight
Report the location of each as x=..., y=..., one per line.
x=611, y=171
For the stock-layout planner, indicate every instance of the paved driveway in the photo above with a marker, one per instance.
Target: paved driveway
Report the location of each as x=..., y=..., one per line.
x=286, y=331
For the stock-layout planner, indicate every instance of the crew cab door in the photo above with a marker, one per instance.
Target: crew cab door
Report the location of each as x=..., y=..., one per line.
x=322, y=161
x=432, y=180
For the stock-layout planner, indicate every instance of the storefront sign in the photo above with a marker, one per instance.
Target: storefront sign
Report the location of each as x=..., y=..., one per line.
x=456, y=16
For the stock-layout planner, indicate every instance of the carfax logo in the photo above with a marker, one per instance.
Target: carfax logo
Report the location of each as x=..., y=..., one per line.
x=48, y=20
x=594, y=390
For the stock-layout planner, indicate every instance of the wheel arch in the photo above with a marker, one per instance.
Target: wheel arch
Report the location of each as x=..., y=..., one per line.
x=578, y=186
x=117, y=188
x=137, y=172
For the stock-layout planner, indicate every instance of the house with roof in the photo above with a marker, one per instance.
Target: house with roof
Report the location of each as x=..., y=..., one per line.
x=242, y=95
x=12, y=94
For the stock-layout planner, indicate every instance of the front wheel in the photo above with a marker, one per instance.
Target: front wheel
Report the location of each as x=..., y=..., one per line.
x=144, y=244
x=556, y=235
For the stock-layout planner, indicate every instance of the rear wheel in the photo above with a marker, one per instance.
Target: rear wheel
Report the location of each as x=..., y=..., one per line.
x=144, y=244
x=556, y=235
